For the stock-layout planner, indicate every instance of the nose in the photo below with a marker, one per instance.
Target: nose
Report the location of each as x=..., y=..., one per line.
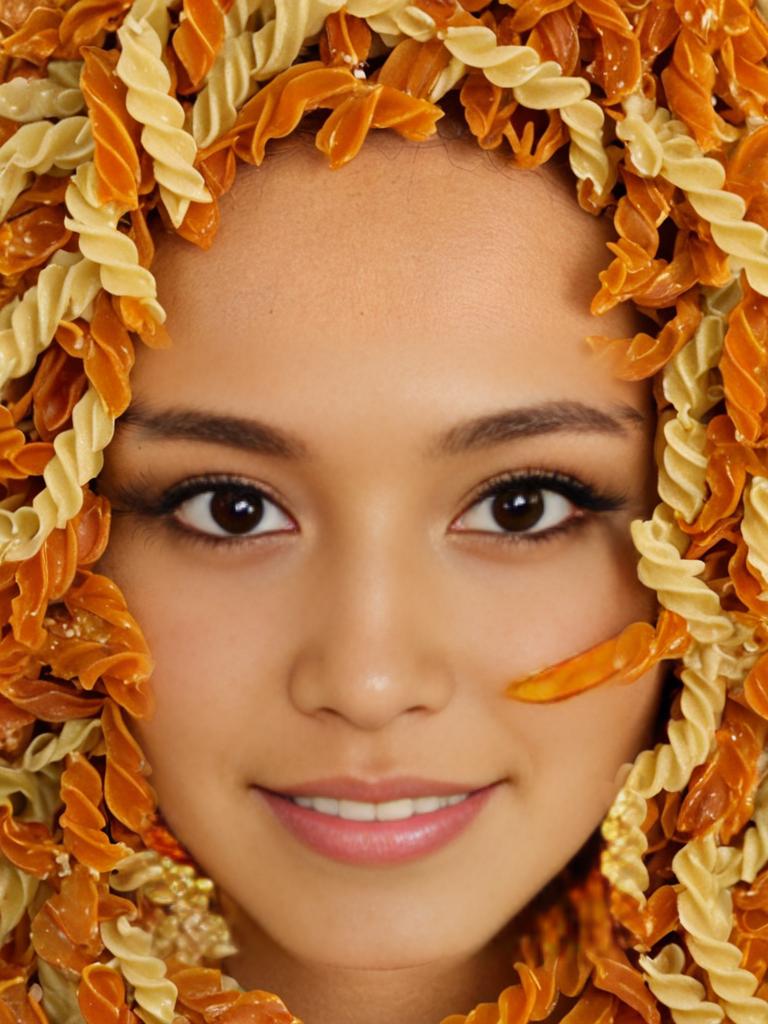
x=372, y=644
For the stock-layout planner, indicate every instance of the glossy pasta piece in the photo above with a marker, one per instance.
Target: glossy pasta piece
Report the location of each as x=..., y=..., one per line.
x=115, y=133
x=623, y=658
x=82, y=820
x=128, y=795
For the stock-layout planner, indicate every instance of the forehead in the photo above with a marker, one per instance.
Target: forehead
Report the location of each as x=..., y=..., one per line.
x=418, y=268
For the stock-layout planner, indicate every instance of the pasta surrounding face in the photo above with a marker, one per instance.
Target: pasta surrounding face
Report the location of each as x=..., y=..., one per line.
x=118, y=116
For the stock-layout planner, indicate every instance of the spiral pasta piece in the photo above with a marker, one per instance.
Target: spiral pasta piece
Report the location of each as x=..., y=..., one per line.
x=39, y=789
x=82, y=821
x=153, y=991
x=64, y=291
x=683, y=467
x=688, y=381
x=754, y=528
x=17, y=890
x=663, y=569
x=228, y=86
x=395, y=20
x=702, y=179
x=59, y=994
x=277, y=44
x=78, y=459
x=744, y=366
x=33, y=99
x=621, y=860
x=76, y=736
x=668, y=766
x=639, y=131
x=684, y=995
x=538, y=85
x=754, y=849
x=706, y=913
x=36, y=148
x=163, y=136
x=198, y=37
x=101, y=995
x=113, y=252
x=136, y=870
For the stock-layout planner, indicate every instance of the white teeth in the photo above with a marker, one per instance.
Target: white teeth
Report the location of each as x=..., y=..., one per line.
x=392, y=810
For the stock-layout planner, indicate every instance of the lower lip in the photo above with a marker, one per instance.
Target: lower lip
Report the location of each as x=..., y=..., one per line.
x=376, y=842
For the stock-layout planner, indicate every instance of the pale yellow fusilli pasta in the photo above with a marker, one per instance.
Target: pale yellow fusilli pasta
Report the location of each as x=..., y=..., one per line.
x=539, y=85
x=38, y=147
x=59, y=995
x=662, y=568
x=78, y=458
x=155, y=994
x=65, y=290
x=113, y=252
x=33, y=99
x=685, y=996
x=705, y=907
x=754, y=528
x=17, y=889
x=142, y=37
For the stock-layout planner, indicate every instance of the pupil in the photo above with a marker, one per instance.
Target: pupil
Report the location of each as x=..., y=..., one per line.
x=518, y=508
x=234, y=513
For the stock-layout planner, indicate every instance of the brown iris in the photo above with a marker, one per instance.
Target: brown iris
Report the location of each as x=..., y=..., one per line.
x=519, y=507
x=235, y=513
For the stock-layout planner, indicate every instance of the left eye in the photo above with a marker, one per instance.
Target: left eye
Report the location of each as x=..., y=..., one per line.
x=518, y=508
x=225, y=512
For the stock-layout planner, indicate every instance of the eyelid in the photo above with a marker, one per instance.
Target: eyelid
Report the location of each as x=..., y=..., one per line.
x=586, y=498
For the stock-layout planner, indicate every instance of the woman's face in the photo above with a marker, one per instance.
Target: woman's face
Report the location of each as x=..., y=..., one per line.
x=325, y=590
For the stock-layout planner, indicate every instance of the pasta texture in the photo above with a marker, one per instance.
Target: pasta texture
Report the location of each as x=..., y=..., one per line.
x=121, y=119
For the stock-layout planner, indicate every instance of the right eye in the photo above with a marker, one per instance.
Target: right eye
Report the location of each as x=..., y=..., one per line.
x=231, y=511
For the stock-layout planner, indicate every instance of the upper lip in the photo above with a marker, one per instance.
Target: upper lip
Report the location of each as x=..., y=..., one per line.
x=345, y=787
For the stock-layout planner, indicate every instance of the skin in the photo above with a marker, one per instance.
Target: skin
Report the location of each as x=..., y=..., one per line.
x=365, y=311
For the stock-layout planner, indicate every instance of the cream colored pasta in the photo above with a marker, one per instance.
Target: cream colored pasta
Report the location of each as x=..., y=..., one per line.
x=661, y=543
x=702, y=178
x=38, y=147
x=136, y=870
x=32, y=99
x=539, y=85
x=754, y=528
x=111, y=250
x=688, y=381
x=228, y=86
x=706, y=913
x=130, y=946
x=685, y=996
x=65, y=290
x=78, y=458
x=683, y=466
x=17, y=889
x=59, y=995
x=754, y=850
x=142, y=37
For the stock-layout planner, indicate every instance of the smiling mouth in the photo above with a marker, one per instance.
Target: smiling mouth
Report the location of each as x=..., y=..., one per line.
x=376, y=832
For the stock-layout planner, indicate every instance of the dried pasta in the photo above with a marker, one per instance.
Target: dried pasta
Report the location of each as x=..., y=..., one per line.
x=130, y=946
x=122, y=118
x=148, y=101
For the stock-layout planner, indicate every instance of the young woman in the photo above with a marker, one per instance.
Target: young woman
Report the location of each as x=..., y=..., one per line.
x=426, y=741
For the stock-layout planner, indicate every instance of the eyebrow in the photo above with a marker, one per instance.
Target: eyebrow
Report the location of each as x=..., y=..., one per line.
x=180, y=424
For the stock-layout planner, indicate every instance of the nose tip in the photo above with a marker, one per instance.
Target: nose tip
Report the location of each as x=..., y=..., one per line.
x=367, y=697
x=371, y=650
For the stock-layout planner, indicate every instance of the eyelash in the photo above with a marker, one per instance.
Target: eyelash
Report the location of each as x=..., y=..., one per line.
x=132, y=499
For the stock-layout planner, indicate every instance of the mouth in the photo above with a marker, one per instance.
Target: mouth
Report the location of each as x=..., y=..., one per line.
x=376, y=832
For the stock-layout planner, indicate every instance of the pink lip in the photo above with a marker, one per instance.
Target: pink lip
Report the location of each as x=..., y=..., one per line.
x=376, y=842
x=345, y=787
